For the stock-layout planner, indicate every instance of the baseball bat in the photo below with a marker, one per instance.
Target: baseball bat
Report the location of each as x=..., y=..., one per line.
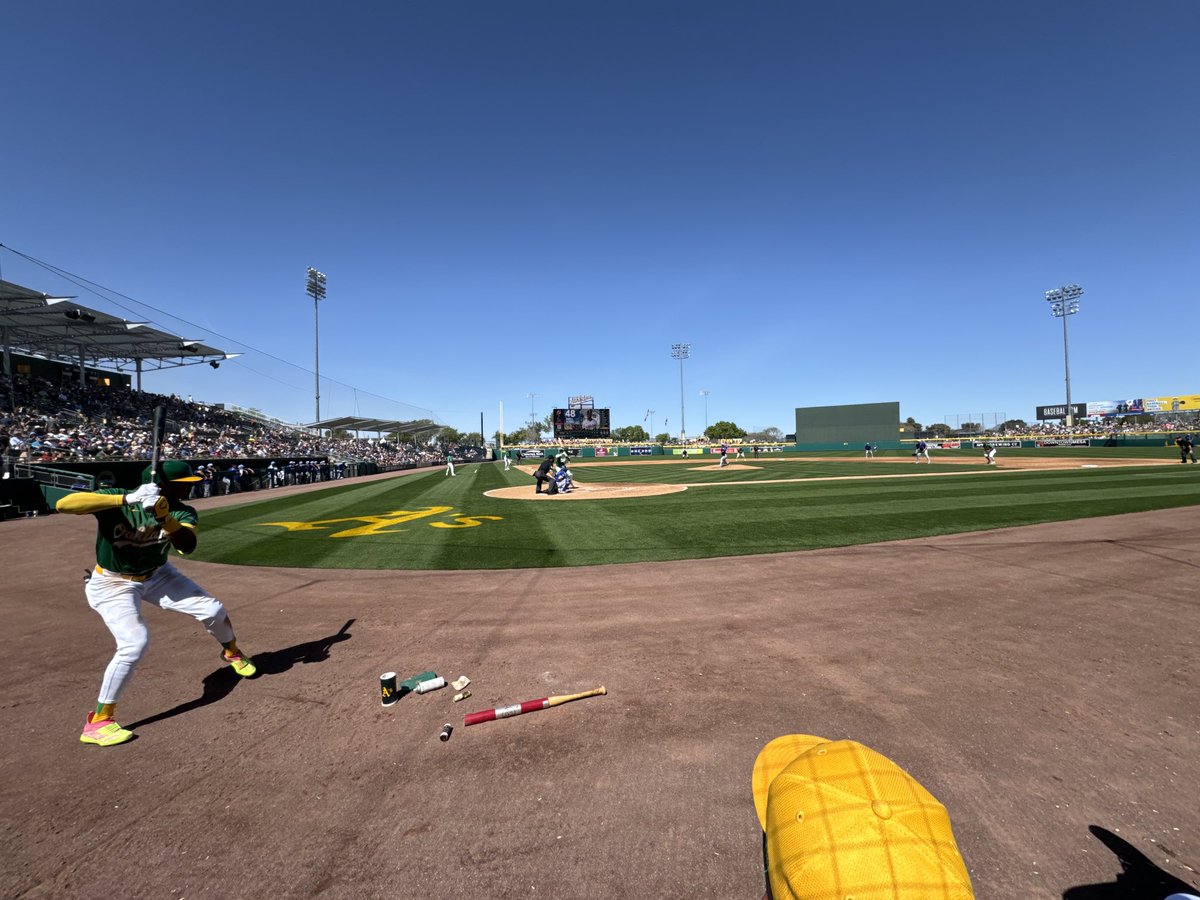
x=519, y=709
x=159, y=430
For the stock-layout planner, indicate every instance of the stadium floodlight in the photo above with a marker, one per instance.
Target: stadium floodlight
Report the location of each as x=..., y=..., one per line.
x=316, y=290
x=681, y=352
x=705, y=394
x=1064, y=302
x=532, y=414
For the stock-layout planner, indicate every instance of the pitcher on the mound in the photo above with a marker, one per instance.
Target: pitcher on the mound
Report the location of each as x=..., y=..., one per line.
x=136, y=531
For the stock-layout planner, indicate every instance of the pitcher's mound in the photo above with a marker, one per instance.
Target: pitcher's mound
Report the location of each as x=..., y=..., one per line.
x=589, y=492
x=729, y=466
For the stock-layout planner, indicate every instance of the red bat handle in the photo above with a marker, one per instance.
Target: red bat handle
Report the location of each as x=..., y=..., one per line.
x=503, y=712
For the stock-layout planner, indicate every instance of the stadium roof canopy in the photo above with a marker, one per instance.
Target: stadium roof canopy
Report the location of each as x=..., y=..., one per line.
x=62, y=330
x=390, y=426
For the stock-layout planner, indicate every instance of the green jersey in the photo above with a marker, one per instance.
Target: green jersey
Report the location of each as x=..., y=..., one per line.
x=130, y=540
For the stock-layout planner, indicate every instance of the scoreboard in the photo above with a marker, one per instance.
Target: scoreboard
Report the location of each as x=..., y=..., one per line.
x=580, y=423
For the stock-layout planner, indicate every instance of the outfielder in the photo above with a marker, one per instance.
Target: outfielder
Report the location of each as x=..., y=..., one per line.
x=449, y=462
x=507, y=462
x=136, y=531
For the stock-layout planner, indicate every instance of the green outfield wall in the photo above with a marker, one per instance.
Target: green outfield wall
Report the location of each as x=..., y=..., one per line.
x=849, y=424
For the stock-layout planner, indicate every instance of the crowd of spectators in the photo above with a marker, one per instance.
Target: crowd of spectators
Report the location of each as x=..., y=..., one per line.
x=41, y=422
x=1106, y=427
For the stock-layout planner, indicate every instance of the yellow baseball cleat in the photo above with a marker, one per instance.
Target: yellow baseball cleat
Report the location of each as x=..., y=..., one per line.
x=240, y=664
x=105, y=732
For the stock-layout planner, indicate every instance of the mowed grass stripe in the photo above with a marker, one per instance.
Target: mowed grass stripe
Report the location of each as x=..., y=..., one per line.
x=701, y=522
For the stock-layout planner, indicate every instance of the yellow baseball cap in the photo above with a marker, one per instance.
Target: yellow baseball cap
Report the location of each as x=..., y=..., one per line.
x=171, y=470
x=843, y=821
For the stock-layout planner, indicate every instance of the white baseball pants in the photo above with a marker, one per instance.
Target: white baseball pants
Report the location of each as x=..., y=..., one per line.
x=119, y=603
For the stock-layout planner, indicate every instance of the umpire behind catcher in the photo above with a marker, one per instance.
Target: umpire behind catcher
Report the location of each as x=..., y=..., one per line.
x=543, y=473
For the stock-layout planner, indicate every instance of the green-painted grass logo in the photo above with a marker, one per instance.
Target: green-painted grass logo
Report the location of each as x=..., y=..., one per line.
x=388, y=522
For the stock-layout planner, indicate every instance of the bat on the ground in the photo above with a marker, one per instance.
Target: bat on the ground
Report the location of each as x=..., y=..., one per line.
x=519, y=709
x=159, y=432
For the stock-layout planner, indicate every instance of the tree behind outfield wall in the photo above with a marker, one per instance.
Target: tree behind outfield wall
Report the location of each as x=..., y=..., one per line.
x=723, y=431
x=973, y=427
x=772, y=435
x=940, y=429
x=516, y=437
x=1014, y=425
x=912, y=426
x=630, y=433
x=662, y=438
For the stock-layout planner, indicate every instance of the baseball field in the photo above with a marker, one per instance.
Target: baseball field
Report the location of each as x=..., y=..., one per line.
x=1021, y=638
x=673, y=509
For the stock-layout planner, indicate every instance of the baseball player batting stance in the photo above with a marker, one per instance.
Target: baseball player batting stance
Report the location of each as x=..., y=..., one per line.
x=136, y=531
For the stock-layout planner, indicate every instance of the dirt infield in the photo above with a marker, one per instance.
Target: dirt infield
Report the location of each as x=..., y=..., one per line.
x=611, y=491
x=581, y=491
x=1038, y=680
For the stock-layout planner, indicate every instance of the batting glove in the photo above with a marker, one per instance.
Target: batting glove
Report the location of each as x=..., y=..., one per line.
x=141, y=495
x=158, y=507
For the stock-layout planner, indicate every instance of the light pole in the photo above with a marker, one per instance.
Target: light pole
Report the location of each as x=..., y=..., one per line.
x=1064, y=301
x=650, y=415
x=532, y=418
x=681, y=352
x=316, y=290
x=705, y=394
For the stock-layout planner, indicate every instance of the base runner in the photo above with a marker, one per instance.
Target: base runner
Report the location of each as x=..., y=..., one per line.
x=136, y=531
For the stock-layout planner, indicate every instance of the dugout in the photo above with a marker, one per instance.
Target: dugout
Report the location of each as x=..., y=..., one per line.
x=835, y=427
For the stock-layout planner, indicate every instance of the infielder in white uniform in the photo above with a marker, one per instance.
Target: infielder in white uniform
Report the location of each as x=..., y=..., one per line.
x=137, y=530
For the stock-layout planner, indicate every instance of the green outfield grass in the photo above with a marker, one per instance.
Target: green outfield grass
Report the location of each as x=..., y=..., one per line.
x=433, y=522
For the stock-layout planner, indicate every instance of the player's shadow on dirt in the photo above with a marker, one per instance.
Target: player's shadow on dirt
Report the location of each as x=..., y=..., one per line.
x=276, y=662
x=1138, y=878
x=220, y=684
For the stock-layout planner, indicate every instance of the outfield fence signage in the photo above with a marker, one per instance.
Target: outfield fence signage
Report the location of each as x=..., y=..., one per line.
x=641, y=451
x=1062, y=442
x=997, y=444
x=946, y=445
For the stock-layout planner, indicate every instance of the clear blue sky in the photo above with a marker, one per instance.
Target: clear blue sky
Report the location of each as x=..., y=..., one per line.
x=833, y=203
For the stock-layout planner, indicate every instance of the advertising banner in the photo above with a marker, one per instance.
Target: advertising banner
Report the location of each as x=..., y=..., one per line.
x=946, y=445
x=1177, y=403
x=1078, y=410
x=1133, y=407
x=641, y=451
x=1014, y=444
x=1063, y=442
x=602, y=451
